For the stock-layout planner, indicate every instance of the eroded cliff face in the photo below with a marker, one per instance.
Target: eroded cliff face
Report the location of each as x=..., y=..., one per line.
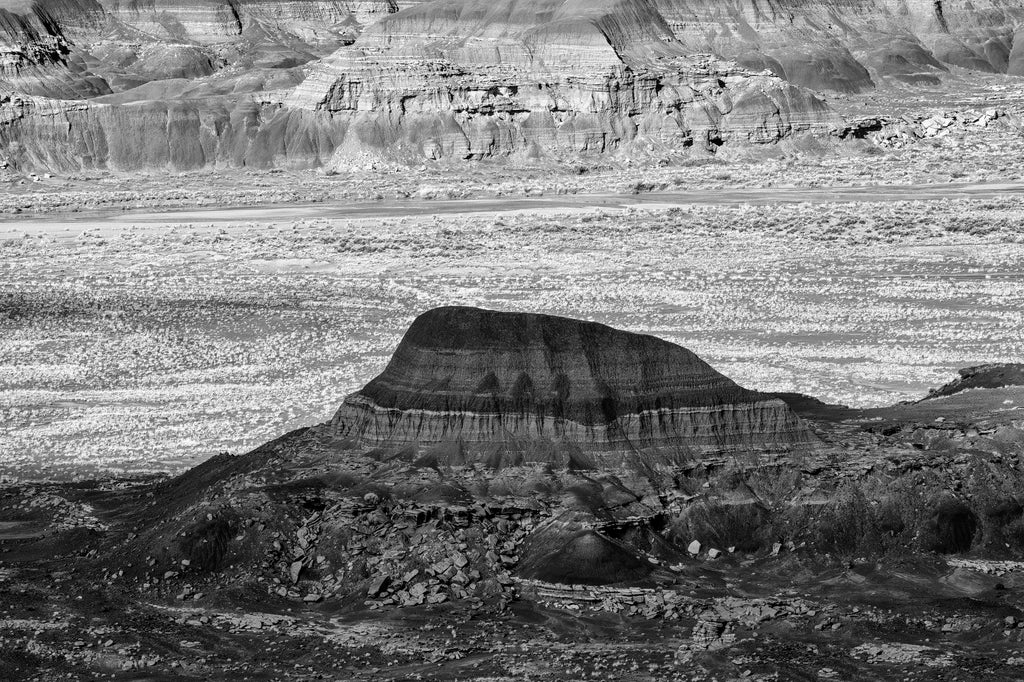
x=36, y=54
x=156, y=134
x=465, y=79
x=850, y=45
x=460, y=79
x=202, y=81
x=483, y=384
x=436, y=108
x=77, y=49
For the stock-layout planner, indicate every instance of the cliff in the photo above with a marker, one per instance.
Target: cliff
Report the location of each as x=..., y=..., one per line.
x=472, y=79
x=851, y=45
x=461, y=79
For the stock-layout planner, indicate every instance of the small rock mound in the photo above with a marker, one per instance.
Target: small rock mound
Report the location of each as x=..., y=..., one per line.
x=567, y=550
x=982, y=376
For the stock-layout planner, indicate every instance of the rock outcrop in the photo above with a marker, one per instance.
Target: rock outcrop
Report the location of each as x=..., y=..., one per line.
x=78, y=49
x=174, y=134
x=463, y=79
x=850, y=46
x=982, y=376
x=470, y=79
x=505, y=388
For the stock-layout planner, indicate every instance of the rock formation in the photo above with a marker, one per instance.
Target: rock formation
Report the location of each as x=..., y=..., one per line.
x=851, y=46
x=982, y=376
x=506, y=388
x=473, y=79
x=79, y=49
x=458, y=79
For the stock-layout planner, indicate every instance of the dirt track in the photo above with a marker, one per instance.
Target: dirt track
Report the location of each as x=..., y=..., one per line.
x=106, y=220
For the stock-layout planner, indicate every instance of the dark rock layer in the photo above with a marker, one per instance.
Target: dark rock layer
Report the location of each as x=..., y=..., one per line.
x=982, y=376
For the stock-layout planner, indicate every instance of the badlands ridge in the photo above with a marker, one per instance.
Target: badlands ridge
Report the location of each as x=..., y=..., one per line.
x=334, y=83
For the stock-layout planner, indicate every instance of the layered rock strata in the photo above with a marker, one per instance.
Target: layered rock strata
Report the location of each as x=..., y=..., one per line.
x=438, y=108
x=78, y=49
x=853, y=45
x=243, y=130
x=469, y=79
x=480, y=385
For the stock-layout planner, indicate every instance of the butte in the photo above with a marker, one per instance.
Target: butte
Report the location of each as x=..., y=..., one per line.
x=468, y=386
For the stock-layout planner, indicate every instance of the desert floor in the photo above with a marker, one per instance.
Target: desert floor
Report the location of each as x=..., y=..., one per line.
x=149, y=339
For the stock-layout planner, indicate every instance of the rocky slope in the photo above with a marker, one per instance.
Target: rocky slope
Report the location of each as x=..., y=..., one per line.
x=473, y=79
x=455, y=80
x=983, y=376
x=514, y=387
x=853, y=45
x=462, y=79
x=78, y=49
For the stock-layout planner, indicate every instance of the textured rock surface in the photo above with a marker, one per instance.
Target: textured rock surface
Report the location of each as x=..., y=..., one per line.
x=516, y=386
x=76, y=49
x=466, y=79
x=171, y=134
x=851, y=44
x=473, y=79
x=982, y=376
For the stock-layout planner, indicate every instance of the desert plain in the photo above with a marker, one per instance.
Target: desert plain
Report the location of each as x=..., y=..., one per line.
x=147, y=340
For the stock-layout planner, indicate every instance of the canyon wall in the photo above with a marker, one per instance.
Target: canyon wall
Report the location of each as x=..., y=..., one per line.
x=459, y=79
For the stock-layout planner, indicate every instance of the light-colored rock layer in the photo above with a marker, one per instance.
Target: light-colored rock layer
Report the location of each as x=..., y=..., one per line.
x=842, y=45
x=845, y=44
x=75, y=49
x=247, y=130
x=760, y=426
x=468, y=79
x=439, y=109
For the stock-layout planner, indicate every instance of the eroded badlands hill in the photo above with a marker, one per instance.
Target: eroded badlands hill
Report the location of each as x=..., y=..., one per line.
x=342, y=83
x=448, y=80
x=510, y=388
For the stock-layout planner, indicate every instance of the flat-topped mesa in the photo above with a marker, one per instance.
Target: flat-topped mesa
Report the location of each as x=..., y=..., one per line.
x=483, y=382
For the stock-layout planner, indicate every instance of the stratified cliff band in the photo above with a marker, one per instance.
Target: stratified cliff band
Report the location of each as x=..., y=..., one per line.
x=307, y=83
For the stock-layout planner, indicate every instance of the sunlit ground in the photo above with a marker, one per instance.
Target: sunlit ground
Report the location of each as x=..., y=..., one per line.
x=154, y=347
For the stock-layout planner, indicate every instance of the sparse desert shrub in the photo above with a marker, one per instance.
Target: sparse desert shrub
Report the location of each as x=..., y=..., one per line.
x=1001, y=522
x=643, y=186
x=889, y=519
x=774, y=483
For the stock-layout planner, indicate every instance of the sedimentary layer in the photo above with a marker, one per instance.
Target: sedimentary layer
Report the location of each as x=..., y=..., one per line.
x=854, y=44
x=242, y=130
x=485, y=383
x=467, y=79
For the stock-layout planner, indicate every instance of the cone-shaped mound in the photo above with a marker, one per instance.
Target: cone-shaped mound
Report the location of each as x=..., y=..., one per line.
x=532, y=382
x=568, y=550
